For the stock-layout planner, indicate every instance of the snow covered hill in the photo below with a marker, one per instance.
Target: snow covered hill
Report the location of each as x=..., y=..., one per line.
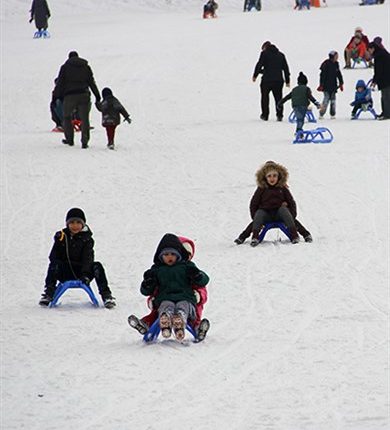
x=299, y=335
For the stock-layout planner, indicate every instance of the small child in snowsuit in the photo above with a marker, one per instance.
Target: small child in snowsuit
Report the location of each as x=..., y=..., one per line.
x=301, y=97
x=200, y=325
x=272, y=201
x=171, y=278
x=111, y=108
x=40, y=13
x=363, y=98
x=72, y=258
x=330, y=80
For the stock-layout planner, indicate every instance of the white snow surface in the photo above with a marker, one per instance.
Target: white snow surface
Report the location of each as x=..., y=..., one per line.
x=299, y=333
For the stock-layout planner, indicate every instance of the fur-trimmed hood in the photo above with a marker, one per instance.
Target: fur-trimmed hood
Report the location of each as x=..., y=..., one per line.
x=266, y=168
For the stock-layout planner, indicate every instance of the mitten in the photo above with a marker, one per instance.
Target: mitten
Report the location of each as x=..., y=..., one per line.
x=128, y=119
x=320, y=88
x=352, y=104
x=194, y=274
x=317, y=105
x=341, y=87
x=31, y=20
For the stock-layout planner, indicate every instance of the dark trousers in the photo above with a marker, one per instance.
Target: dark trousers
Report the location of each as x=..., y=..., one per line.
x=300, y=228
x=61, y=271
x=81, y=102
x=282, y=214
x=385, y=102
x=358, y=105
x=300, y=113
x=277, y=91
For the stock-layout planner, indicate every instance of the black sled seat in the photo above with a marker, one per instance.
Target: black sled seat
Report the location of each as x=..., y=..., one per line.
x=62, y=287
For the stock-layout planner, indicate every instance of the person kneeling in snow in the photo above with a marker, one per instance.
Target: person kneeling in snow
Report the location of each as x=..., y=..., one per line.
x=200, y=325
x=170, y=281
x=72, y=258
x=301, y=97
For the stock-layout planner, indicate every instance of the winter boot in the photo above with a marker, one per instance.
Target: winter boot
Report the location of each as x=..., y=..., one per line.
x=239, y=241
x=308, y=238
x=110, y=144
x=179, y=326
x=45, y=299
x=294, y=235
x=109, y=302
x=203, y=329
x=138, y=324
x=165, y=325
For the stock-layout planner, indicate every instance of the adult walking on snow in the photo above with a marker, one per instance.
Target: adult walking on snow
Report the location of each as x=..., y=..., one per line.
x=40, y=13
x=272, y=64
x=73, y=83
x=381, y=75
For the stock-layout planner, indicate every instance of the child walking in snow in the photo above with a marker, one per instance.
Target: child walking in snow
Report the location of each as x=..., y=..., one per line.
x=362, y=98
x=72, y=258
x=330, y=80
x=200, y=325
x=171, y=278
x=111, y=108
x=272, y=201
x=301, y=97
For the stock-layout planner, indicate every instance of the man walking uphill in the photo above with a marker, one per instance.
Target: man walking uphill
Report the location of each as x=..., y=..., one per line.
x=272, y=65
x=73, y=83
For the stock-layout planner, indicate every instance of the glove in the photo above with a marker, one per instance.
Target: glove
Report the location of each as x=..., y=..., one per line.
x=317, y=105
x=341, y=87
x=128, y=119
x=197, y=296
x=31, y=20
x=320, y=88
x=85, y=280
x=149, y=274
x=352, y=104
x=194, y=274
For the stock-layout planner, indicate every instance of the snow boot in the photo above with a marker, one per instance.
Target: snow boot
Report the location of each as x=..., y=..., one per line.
x=179, y=326
x=308, y=238
x=109, y=302
x=45, y=299
x=239, y=241
x=203, y=329
x=138, y=324
x=165, y=325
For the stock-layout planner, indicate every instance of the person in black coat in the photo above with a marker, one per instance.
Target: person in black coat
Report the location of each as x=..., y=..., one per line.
x=272, y=64
x=381, y=76
x=73, y=83
x=40, y=13
x=72, y=258
x=330, y=80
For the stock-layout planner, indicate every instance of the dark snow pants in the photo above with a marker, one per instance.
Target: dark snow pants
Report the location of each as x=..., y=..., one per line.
x=81, y=102
x=277, y=92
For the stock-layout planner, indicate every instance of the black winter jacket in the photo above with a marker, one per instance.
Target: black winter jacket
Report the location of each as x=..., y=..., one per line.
x=76, y=251
x=40, y=13
x=381, y=68
x=111, y=108
x=330, y=76
x=75, y=77
x=272, y=65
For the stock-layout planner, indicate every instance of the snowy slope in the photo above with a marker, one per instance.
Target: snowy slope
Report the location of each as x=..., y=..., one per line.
x=299, y=337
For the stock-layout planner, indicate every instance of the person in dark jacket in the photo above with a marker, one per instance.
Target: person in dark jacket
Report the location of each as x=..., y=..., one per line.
x=381, y=76
x=330, y=80
x=172, y=276
x=273, y=66
x=250, y=4
x=72, y=258
x=111, y=108
x=300, y=97
x=272, y=201
x=40, y=13
x=73, y=83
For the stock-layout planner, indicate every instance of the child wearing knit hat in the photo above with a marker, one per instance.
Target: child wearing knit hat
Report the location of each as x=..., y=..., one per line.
x=300, y=97
x=72, y=258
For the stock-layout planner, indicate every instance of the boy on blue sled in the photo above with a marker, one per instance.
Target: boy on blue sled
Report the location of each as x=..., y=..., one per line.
x=363, y=99
x=170, y=281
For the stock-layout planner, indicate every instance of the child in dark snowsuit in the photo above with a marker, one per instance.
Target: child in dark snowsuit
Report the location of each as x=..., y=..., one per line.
x=171, y=277
x=111, y=108
x=362, y=97
x=330, y=80
x=72, y=258
x=301, y=97
x=40, y=13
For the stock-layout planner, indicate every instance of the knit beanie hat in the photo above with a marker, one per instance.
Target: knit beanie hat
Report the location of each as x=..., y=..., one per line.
x=302, y=79
x=265, y=45
x=170, y=251
x=75, y=214
x=73, y=54
x=332, y=54
x=106, y=92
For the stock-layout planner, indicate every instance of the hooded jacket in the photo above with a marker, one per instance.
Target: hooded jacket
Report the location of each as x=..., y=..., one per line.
x=40, y=13
x=75, y=77
x=111, y=108
x=174, y=282
x=271, y=198
x=330, y=76
x=76, y=251
x=272, y=65
x=362, y=96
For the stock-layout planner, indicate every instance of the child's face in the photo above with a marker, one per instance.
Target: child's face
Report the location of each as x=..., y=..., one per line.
x=169, y=258
x=360, y=89
x=75, y=227
x=272, y=178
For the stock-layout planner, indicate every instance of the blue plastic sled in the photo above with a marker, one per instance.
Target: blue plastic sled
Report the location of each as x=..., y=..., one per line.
x=271, y=225
x=309, y=117
x=317, y=135
x=152, y=334
x=41, y=34
x=365, y=108
x=62, y=287
x=359, y=61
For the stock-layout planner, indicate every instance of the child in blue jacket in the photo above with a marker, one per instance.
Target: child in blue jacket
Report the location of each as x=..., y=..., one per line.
x=362, y=97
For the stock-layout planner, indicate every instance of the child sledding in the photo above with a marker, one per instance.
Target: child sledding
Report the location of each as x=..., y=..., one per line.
x=176, y=288
x=273, y=202
x=363, y=100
